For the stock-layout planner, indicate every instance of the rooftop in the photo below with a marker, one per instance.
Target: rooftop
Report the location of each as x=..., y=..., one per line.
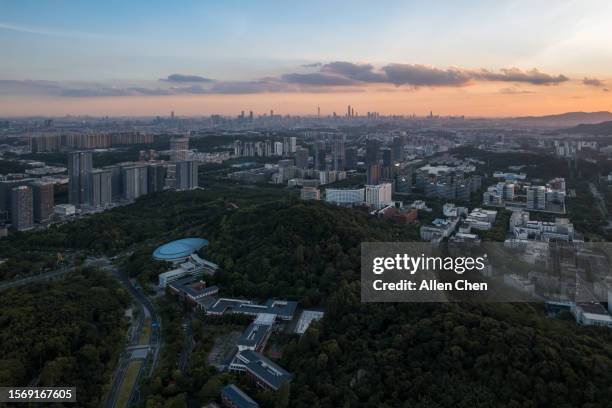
x=179, y=249
x=265, y=369
x=238, y=397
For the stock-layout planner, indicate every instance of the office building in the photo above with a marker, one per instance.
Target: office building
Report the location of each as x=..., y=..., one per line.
x=79, y=167
x=536, y=197
x=22, y=211
x=186, y=175
x=43, y=200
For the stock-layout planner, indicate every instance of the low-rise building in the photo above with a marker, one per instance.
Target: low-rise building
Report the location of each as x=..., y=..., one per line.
x=310, y=193
x=264, y=372
x=591, y=314
x=234, y=397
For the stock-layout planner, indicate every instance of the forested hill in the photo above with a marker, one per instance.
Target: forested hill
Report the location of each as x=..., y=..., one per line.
x=301, y=250
x=602, y=128
x=401, y=355
x=371, y=355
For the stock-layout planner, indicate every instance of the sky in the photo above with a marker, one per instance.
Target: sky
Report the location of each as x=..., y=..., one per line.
x=476, y=58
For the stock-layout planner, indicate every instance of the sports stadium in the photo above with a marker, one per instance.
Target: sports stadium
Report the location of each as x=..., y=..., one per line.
x=179, y=250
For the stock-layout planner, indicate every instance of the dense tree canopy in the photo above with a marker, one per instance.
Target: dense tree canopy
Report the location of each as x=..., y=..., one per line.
x=64, y=333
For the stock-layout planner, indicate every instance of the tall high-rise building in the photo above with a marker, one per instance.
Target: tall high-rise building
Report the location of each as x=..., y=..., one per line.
x=101, y=188
x=338, y=152
x=22, y=211
x=134, y=181
x=387, y=157
x=372, y=151
x=373, y=174
x=350, y=157
x=319, y=155
x=6, y=192
x=301, y=158
x=278, y=148
x=79, y=167
x=156, y=177
x=116, y=181
x=186, y=175
x=398, y=148
x=43, y=200
x=179, y=148
x=292, y=144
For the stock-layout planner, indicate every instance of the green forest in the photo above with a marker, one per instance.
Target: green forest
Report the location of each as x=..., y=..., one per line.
x=269, y=244
x=64, y=333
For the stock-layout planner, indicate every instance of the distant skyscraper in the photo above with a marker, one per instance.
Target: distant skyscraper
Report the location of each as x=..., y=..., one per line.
x=43, y=200
x=79, y=167
x=338, y=152
x=398, y=148
x=319, y=155
x=301, y=158
x=387, y=156
x=186, y=175
x=372, y=151
x=350, y=158
x=179, y=148
x=101, y=190
x=373, y=174
x=22, y=212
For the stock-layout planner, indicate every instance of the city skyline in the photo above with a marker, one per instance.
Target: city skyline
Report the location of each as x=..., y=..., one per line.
x=404, y=58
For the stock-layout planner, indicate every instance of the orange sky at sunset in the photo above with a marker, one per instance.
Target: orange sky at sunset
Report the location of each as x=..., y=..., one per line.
x=490, y=99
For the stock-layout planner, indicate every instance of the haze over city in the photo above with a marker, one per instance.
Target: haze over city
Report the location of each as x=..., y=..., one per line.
x=403, y=58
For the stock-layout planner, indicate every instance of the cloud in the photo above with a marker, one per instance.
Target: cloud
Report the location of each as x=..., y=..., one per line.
x=250, y=87
x=185, y=78
x=44, y=31
x=338, y=76
x=513, y=91
x=533, y=76
x=593, y=82
x=341, y=73
x=356, y=72
x=423, y=75
x=318, y=78
x=313, y=65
